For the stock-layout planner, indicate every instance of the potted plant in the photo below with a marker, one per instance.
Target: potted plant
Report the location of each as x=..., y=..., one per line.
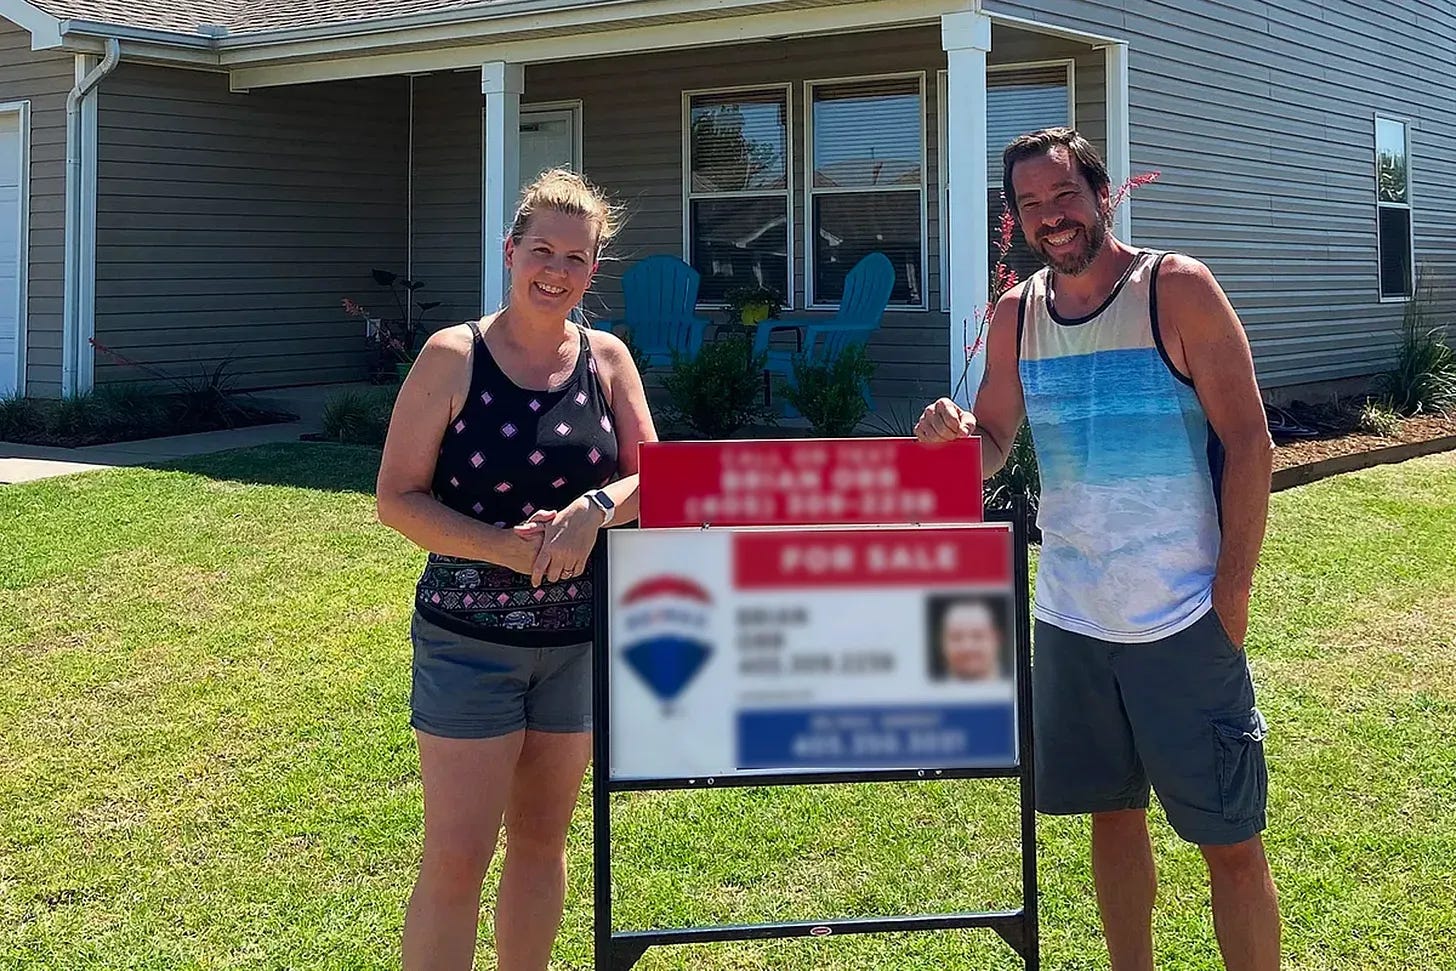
x=751, y=305
x=394, y=341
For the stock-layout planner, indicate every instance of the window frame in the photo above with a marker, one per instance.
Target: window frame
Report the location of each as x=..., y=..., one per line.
x=689, y=197
x=942, y=168
x=1409, y=206
x=923, y=188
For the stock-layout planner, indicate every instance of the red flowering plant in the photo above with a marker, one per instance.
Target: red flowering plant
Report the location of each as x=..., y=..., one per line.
x=1003, y=277
x=395, y=341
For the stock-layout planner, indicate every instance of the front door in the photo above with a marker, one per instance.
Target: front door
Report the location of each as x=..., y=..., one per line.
x=548, y=140
x=12, y=207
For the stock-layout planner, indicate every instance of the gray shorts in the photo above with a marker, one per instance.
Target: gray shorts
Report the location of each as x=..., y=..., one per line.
x=464, y=687
x=1110, y=719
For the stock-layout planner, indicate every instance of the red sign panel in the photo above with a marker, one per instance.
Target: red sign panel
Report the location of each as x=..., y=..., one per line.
x=804, y=482
x=879, y=558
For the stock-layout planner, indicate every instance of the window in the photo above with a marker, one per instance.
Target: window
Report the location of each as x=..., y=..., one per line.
x=738, y=226
x=866, y=184
x=1019, y=99
x=1393, y=208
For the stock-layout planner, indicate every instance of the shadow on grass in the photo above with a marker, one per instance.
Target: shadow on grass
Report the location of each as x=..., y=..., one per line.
x=304, y=465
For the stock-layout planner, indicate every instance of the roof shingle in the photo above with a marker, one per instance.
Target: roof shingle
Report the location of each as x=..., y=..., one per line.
x=247, y=17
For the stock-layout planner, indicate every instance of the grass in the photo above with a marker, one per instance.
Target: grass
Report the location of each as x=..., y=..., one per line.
x=205, y=760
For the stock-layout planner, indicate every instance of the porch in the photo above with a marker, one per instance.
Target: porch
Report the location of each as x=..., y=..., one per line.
x=781, y=161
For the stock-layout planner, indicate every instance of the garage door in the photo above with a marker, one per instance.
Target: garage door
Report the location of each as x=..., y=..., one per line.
x=11, y=156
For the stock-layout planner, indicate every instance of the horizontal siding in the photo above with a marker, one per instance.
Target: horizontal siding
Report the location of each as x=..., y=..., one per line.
x=1259, y=117
x=632, y=147
x=230, y=226
x=43, y=79
x=446, y=221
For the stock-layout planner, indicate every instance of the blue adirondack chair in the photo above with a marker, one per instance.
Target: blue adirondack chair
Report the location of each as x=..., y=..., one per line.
x=866, y=295
x=661, y=296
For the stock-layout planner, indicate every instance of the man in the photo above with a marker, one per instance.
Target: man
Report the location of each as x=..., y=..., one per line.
x=970, y=642
x=1155, y=459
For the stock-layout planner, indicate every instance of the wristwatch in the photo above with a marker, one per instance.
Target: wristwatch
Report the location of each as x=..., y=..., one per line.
x=603, y=502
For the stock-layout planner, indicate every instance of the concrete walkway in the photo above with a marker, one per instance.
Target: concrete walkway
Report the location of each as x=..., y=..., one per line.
x=27, y=463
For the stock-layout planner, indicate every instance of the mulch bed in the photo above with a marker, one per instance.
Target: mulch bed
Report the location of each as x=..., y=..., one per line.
x=1304, y=434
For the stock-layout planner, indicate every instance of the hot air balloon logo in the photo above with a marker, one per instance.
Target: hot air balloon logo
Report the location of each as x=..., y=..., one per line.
x=666, y=619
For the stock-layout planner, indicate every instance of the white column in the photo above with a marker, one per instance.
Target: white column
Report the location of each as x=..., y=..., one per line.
x=501, y=83
x=1119, y=150
x=966, y=38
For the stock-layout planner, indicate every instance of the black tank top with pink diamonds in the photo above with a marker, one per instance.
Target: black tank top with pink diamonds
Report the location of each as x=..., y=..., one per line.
x=507, y=453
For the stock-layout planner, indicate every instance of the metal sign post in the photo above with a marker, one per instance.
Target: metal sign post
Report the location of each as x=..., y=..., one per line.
x=619, y=951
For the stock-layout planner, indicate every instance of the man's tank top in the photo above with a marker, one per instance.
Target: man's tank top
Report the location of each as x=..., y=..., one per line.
x=507, y=453
x=1130, y=468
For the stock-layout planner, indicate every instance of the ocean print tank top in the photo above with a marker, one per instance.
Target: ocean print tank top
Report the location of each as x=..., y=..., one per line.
x=1130, y=468
x=509, y=452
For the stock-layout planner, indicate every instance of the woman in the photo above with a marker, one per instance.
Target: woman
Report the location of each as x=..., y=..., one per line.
x=513, y=443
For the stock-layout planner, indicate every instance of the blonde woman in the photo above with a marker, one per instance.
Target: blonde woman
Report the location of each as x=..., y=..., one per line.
x=512, y=445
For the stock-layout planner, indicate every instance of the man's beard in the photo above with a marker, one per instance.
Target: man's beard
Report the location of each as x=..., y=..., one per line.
x=1093, y=238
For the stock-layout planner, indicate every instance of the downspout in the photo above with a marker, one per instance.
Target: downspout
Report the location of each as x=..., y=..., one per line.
x=75, y=199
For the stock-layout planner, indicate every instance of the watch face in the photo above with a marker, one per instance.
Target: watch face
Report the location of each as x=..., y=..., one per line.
x=603, y=500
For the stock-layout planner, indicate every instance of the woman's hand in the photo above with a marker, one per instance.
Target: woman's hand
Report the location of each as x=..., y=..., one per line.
x=566, y=537
x=520, y=550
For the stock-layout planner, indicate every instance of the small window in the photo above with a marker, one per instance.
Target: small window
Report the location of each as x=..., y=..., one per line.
x=867, y=184
x=738, y=227
x=1393, y=208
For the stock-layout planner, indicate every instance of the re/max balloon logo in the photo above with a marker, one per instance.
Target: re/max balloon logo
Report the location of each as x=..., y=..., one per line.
x=665, y=617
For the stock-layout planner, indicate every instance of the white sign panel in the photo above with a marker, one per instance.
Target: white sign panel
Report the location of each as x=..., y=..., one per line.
x=737, y=652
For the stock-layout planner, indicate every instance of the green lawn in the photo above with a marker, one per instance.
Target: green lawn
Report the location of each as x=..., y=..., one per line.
x=205, y=760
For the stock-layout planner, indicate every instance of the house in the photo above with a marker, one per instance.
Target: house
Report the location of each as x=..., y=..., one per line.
x=204, y=180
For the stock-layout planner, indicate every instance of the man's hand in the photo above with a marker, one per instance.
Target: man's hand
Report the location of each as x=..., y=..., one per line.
x=944, y=421
x=1232, y=607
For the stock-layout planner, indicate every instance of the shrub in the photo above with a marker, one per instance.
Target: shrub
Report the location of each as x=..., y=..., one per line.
x=1424, y=376
x=831, y=395
x=718, y=390
x=1018, y=478
x=1378, y=418
x=359, y=417
x=21, y=419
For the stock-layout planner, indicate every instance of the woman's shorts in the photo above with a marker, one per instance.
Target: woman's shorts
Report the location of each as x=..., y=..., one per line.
x=464, y=687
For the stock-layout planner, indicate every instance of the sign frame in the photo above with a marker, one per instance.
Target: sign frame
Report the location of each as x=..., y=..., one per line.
x=1019, y=928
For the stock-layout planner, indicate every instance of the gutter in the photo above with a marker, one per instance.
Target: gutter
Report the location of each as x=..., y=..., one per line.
x=75, y=269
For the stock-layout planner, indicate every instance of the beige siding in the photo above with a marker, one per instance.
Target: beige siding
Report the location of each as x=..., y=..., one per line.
x=632, y=140
x=43, y=79
x=230, y=226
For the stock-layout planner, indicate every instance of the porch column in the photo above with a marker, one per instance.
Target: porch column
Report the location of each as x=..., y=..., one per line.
x=966, y=38
x=502, y=84
x=1119, y=154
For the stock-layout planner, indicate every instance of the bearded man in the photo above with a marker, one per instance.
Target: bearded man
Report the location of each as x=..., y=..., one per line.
x=1136, y=377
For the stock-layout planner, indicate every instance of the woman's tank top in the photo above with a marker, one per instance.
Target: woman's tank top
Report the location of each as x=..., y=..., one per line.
x=509, y=452
x=1130, y=468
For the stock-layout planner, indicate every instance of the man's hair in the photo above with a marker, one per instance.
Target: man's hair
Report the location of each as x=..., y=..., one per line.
x=1038, y=143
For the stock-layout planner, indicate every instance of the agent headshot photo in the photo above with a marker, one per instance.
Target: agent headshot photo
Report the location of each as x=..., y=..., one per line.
x=968, y=638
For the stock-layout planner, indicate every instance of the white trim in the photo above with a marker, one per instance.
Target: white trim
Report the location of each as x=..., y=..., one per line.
x=501, y=85
x=941, y=122
x=21, y=109
x=1053, y=30
x=1409, y=205
x=86, y=309
x=1119, y=133
x=557, y=35
x=810, y=192
x=787, y=87
x=45, y=30
x=573, y=105
x=966, y=39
